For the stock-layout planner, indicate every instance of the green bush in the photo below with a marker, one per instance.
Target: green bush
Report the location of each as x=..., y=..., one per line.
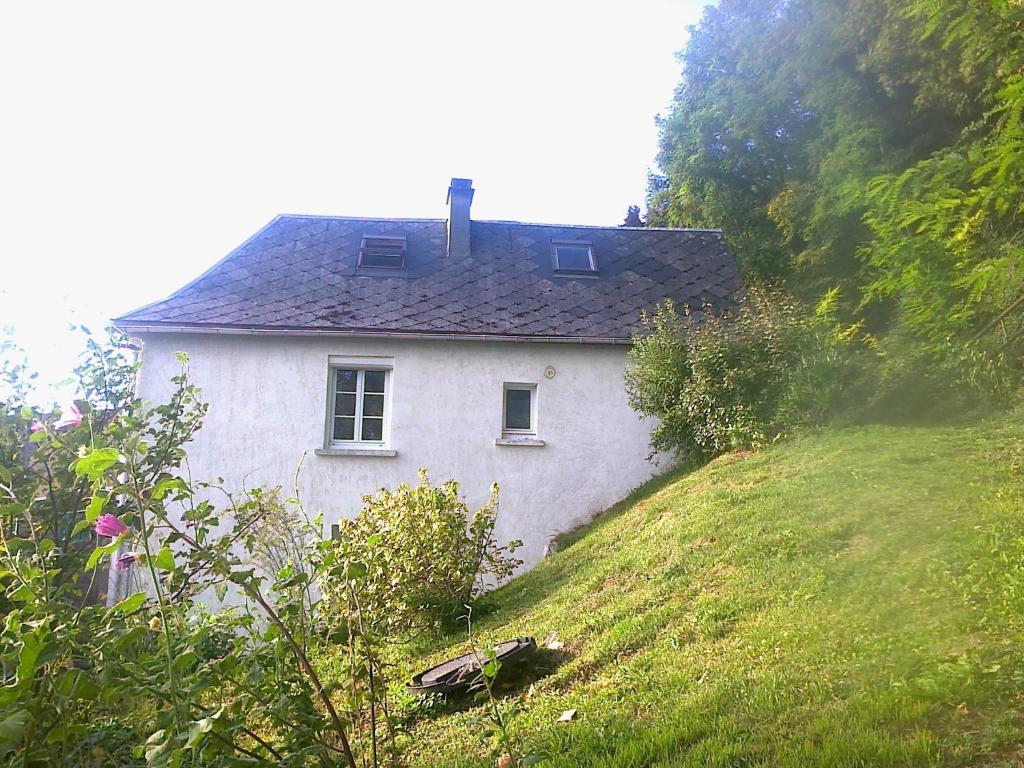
x=424, y=555
x=739, y=378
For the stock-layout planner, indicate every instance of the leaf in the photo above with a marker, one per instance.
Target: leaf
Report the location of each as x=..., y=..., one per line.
x=164, y=559
x=95, y=463
x=241, y=577
x=103, y=551
x=200, y=728
x=12, y=728
x=95, y=508
x=156, y=745
x=12, y=510
x=130, y=604
x=127, y=640
x=169, y=484
x=75, y=685
x=5, y=475
x=23, y=594
x=356, y=571
x=32, y=645
x=491, y=668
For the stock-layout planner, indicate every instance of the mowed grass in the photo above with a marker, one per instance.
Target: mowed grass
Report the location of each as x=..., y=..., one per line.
x=849, y=597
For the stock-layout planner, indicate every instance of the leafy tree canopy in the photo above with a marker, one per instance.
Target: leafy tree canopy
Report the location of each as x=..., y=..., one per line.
x=871, y=145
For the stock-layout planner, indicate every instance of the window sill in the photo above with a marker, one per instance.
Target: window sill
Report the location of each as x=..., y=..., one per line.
x=374, y=452
x=519, y=440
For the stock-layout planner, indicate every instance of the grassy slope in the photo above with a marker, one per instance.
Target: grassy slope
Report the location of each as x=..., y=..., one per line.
x=846, y=598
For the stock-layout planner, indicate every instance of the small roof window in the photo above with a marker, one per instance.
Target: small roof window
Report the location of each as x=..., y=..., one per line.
x=382, y=252
x=573, y=258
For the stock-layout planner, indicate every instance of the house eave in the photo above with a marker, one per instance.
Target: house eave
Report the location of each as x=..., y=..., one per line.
x=135, y=328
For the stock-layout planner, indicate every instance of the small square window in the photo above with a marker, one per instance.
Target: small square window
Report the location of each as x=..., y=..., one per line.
x=573, y=258
x=520, y=409
x=358, y=405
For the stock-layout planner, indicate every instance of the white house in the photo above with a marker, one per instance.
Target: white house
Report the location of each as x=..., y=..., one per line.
x=482, y=350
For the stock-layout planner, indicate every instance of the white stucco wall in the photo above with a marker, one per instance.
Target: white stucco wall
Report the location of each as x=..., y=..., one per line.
x=268, y=399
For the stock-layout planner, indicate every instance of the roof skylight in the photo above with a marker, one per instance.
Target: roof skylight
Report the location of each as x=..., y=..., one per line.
x=573, y=258
x=382, y=251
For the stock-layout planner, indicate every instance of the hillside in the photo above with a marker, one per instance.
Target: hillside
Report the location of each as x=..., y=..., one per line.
x=849, y=597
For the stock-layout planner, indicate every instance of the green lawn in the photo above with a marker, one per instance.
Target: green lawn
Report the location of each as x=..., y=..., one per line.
x=850, y=597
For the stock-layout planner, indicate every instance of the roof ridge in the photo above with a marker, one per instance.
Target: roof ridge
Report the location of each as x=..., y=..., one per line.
x=411, y=220
x=324, y=216
x=613, y=227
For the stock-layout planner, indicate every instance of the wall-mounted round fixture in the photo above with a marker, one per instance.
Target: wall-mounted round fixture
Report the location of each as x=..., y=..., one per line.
x=549, y=372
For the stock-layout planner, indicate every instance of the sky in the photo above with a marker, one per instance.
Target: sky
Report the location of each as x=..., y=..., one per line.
x=140, y=142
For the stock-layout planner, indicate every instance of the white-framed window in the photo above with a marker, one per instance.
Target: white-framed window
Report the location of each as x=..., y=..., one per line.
x=573, y=258
x=359, y=404
x=519, y=409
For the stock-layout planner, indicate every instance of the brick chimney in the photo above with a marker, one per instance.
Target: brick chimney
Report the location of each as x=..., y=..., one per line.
x=460, y=197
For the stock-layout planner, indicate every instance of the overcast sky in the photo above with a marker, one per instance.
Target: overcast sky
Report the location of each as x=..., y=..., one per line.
x=141, y=142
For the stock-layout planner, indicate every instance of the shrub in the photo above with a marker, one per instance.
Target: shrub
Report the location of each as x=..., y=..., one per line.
x=147, y=678
x=155, y=679
x=424, y=555
x=411, y=558
x=740, y=378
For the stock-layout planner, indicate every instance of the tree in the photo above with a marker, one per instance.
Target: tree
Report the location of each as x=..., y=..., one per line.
x=808, y=129
x=947, y=244
x=633, y=217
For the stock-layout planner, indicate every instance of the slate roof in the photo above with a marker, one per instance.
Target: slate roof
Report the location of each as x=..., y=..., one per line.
x=300, y=274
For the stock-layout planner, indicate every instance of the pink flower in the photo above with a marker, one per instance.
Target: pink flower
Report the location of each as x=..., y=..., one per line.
x=125, y=561
x=37, y=426
x=108, y=525
x=71, y=419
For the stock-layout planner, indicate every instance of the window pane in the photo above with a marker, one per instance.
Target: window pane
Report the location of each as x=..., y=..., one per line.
x=374, y=381
x=574, y=258
x=390, y=260
x=346, y=380
x=373, y=429
x=517, y=408
x=373, y=405
x=344, y=405
x=344, y=428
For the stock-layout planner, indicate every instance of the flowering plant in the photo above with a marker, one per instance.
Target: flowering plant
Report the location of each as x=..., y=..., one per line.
x=99, y=486
x=97, y=498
